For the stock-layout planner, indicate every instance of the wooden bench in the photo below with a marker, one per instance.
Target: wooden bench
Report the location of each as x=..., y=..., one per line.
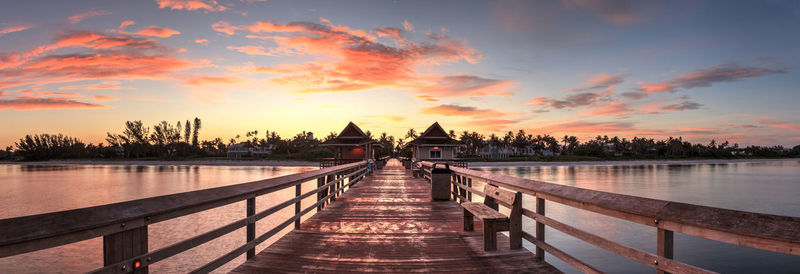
x=493, y=220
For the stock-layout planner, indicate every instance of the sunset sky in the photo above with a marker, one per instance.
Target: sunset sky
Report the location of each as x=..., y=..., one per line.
x=697, y=69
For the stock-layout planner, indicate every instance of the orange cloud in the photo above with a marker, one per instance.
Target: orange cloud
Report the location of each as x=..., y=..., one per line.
x=457, y=110
x=104, y=98
x=408, y=26
x=202, y=41
x=202, y=80
x=206, y=5
x=388, y=118
x=86, y=15
x=154, y=31
x=355, y=60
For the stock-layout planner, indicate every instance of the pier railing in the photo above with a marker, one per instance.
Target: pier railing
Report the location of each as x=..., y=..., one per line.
x=329, y=162
x=123, y=226
x=762, y=231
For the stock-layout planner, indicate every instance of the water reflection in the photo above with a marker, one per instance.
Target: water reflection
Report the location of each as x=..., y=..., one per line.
x=33, y=189
x=764, y=187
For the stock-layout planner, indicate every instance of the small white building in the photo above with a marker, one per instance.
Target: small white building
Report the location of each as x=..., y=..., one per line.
x=246, y=150
x=490, y=150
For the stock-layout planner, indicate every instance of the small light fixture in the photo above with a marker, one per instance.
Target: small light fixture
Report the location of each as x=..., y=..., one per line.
x=436, y=148
x=137, y=264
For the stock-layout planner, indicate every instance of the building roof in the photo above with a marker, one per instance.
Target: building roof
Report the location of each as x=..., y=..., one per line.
x=351, y=135
x=435, y=135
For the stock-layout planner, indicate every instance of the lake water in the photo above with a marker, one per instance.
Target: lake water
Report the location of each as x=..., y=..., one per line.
x=766, y=187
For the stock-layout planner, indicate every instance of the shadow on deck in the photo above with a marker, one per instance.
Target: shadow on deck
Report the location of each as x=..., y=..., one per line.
x=388, y=223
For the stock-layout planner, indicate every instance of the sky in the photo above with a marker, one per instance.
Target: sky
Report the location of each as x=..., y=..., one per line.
x=701, y=70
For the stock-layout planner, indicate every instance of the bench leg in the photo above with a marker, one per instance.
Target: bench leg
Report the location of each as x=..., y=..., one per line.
x=468, y=221
x=489, y=235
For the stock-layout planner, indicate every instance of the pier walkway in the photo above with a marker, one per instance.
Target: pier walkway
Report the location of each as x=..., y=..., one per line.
x=388, y=223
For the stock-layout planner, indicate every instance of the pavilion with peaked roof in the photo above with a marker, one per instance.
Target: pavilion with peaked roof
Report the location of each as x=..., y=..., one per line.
x=434, y=145
x=352, y=144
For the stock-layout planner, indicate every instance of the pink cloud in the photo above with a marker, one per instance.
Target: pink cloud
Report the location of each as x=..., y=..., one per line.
x=154, y=31
x=104, y=98
x=780, y=124
x=206, y=5
x=202, y=41
x=702, y=78
x=408, y=26
x=201, y=80
x=252, y=50
x=86, y=15
x=611, y=109
x=11, y=28
x=615, y=11
x=457, y=110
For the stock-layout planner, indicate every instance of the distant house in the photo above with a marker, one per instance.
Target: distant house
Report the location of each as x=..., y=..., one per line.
x=434, y=144
x=352, y=144
x=244, y=149
x=490, y=150
x=610, y=148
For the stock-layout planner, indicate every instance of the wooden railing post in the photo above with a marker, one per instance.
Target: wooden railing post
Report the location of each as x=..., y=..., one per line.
x=251, y=226
x=332, y=188
x=322, y=193
x=515, y=222
x=297, y=192
x=469, y=193
x=124, y=245
x=665, y=245
x=540, y=228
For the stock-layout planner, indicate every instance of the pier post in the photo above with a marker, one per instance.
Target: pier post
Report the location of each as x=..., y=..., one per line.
x=665, y=245
x=540, y=228
x=297, y=192
x=515, y=222
x=251, y=226
x=322, y=193
x=124, y=245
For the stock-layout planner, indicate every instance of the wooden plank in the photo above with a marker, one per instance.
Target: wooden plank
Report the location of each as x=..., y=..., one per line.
x=483, y=212
x=500, y=195
x=251, y=226
x=124, y=245
x=539, y=227
x=388, y=223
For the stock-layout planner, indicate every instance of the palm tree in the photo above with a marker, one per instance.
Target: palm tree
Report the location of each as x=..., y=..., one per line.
x=411, y=134
x=197, y=126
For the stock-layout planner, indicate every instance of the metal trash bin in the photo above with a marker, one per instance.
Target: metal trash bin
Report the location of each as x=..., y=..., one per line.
x=440, y=182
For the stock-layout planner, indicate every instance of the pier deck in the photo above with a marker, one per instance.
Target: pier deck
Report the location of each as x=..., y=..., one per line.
x=388, y=223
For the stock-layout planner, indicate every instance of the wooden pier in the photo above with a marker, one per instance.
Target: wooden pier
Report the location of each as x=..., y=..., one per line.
x=388, y=223
x=368, y=217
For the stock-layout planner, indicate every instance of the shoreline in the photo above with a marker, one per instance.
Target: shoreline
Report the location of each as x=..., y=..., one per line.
x=624, y=163
x=272, y=163
x=169, y=163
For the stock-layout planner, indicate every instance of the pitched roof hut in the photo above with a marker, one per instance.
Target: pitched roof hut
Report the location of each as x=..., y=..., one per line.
x=434, y=144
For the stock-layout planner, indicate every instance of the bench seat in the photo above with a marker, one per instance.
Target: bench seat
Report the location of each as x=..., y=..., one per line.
x=493, y=220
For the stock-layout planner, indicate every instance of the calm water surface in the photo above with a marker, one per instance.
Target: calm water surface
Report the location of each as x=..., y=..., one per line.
x=766, y=187
x=26, y=190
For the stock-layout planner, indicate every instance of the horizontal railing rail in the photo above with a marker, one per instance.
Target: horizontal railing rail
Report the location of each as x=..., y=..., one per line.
x=329, y=162
x=123, y=226
x=761, y=231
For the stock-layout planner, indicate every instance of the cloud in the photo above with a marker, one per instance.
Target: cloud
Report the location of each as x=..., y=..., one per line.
x=31, y=103
x=203, y=42
x=74, y=19
x=612, y=109
x=104, y=98
x=154, y=31
x=353, y=59
x=3, y=93
x=408, y=26
x=388, y=118
x=457, y=110
x=202, y=80
x=702, y=78
x=205, y=5
x=11, y=28
x=491, y=124
x=601, y=81
x=780, y=124
x=572, y=101
x=597, y=128
x=84, y=55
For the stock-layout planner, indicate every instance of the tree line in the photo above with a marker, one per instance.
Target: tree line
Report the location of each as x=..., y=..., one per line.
x=180, y=140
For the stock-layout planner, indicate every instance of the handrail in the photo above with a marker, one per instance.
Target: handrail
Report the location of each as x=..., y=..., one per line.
x=36, y=232
x=756, y=230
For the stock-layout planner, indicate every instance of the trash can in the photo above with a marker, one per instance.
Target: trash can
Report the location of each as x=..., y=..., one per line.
x=440, y=182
